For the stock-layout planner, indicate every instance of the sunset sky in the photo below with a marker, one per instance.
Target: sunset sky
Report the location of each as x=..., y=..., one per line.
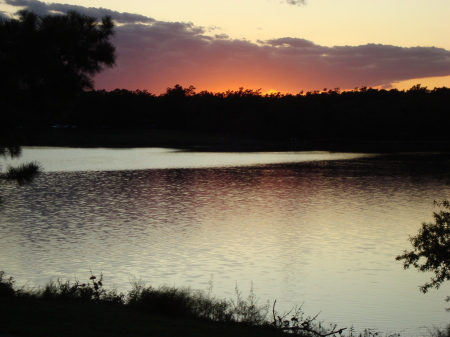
x=275, y=45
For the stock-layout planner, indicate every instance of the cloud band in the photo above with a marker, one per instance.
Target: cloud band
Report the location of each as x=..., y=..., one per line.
x=154, y=54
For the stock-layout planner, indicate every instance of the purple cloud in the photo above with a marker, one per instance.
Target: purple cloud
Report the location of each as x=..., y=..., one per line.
x=159, y=55
x=43, y=8
x=154, y=55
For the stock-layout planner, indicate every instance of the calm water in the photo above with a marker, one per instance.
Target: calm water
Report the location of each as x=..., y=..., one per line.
x=316, y=228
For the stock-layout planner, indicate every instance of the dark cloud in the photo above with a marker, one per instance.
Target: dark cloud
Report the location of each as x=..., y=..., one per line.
x=49, y=8
x=157, y=55
x=221, y=36
x=296, y=2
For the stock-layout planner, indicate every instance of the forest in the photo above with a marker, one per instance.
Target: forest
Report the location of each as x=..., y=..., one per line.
x=362, y=114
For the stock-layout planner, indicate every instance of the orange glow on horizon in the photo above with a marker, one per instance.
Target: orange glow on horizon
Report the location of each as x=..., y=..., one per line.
x=204, y=82
x=271, y=92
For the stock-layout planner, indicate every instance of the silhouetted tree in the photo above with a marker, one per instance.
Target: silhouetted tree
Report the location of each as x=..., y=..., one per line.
x=45, y=60
x=178, y=92
x=431, y=249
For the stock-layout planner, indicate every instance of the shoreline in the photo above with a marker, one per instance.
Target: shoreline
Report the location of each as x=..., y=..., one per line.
x=199, y=142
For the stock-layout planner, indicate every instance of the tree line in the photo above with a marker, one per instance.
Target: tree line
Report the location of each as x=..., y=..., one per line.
x=360, y=114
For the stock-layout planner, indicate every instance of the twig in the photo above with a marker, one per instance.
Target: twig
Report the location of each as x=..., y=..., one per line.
x=296, y=328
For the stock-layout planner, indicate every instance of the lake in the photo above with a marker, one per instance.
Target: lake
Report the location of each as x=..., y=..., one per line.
x=316, y=229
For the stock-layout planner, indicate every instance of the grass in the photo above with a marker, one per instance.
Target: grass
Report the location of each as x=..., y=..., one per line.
x=33, y=317
x=65, y=308
x=73, y=308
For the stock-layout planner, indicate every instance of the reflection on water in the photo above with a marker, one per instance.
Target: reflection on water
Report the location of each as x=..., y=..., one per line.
x=324, y=233
x=100, y=159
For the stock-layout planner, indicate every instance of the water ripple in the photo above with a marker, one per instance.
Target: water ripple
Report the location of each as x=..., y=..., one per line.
x=324, y=233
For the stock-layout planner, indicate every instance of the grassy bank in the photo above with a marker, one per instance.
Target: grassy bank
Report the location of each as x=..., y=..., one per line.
x=65, y=308
x=73, y=308
x=38, y=317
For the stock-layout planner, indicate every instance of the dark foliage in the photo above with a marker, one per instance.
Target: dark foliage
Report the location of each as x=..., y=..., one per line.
x=431, y=251
x=24, y=173
x=6, y=286
x=363, y=114
x=46, y=60
x=177, y=303
x=10, y=151
x=91, y=291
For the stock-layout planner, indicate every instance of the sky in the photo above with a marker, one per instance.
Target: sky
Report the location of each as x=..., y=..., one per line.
x=273, y=45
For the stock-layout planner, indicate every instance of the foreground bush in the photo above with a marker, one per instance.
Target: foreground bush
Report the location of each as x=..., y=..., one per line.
x=185, y=302
x=438, y=332
x=92, y=291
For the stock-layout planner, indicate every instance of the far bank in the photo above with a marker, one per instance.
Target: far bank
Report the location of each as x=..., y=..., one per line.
x=72, y=136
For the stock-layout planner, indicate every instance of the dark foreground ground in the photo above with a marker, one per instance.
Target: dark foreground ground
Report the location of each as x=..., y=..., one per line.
x=28, y=317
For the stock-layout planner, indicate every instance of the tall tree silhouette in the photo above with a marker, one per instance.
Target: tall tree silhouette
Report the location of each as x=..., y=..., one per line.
x=45, y=61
